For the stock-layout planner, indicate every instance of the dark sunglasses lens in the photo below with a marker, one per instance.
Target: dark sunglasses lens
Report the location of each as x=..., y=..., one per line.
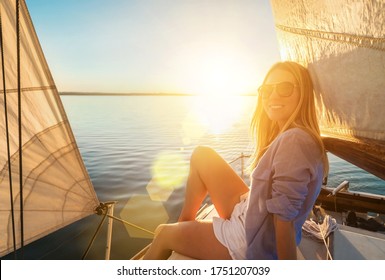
x=285, y=89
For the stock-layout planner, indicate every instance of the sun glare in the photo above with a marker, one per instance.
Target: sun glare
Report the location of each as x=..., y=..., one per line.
x=211, y=115
x=219, y=74
x=219, y=77
x=216, y=71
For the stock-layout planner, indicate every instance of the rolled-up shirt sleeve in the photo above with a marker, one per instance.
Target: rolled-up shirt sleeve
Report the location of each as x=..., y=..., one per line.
x=291, y=174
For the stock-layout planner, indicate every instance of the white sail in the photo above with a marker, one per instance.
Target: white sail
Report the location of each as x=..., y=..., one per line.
x=56, y=187
x=343, y=44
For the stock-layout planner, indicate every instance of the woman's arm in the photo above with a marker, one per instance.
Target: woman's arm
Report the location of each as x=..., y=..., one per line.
x=285, y=239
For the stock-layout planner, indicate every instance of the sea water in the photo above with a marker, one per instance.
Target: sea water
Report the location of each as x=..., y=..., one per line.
x=136, y=150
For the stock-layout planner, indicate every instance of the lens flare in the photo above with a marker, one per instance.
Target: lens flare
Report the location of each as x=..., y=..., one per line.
x=169, y=170
x=158, y=193
x=156, y=214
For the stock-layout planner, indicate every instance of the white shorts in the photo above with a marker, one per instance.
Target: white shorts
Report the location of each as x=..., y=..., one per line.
x=231, y=233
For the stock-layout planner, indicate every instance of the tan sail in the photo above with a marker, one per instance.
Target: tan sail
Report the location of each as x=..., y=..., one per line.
x=56, y=187
x=343, y=44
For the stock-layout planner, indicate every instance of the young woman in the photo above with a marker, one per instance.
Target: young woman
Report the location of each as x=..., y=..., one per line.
x=289, y=163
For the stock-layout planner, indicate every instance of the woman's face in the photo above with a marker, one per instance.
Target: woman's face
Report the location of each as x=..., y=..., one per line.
x=277, y=105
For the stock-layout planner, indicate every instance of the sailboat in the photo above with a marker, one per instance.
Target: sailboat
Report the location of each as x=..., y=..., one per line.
x=44, y=184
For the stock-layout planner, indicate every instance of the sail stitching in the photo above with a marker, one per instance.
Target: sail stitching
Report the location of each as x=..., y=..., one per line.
x=55, y=158
x=52, y=155
x=357, y=40
x=37, y=137
x=53, y=87
x=31, y=141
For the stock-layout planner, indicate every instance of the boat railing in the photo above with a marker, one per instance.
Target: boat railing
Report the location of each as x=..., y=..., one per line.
x=241, y=158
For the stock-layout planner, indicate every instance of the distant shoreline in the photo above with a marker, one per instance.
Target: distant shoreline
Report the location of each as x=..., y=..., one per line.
x=132, y=94
x=123, y=94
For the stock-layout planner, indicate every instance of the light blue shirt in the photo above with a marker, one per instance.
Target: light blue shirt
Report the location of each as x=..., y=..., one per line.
x=286, y=182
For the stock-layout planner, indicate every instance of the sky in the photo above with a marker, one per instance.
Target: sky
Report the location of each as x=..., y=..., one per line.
x=156, y=46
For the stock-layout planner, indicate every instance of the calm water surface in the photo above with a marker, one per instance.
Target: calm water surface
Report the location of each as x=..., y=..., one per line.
x=136, y=150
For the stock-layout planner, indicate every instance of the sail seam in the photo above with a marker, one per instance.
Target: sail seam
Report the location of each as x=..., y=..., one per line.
x=55, y=159
x=356, y=40
x=53, y=155
x=53, y=87
x=37, y=136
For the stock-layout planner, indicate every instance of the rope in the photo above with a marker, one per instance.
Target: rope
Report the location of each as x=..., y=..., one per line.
x=20, y=128
x=326, y=245
x=321, y=231
x=94, y=237
x=102, y=209
x=7, y=137
x=130, y=224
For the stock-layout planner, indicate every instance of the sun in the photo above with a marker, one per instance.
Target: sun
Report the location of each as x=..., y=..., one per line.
x=211, y=115
x=219, y=75
x=217, y=70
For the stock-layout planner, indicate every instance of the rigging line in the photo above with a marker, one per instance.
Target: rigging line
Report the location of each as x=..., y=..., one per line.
x=7, y=137
x=321, y=231
x=20, y=128
x=94, y=237
x=130, y=224
x=324, y=240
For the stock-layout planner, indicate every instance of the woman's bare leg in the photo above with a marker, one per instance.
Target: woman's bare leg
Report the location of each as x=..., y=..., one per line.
x=211, y=174
x=194, y=239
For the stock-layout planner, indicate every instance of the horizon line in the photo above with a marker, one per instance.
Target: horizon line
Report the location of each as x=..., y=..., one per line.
x=135, y=94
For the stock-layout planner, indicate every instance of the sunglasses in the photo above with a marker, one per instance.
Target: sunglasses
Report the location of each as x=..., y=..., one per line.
x=284, y=89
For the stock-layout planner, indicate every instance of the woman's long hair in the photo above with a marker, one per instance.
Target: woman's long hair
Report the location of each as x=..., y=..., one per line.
x=264, y=130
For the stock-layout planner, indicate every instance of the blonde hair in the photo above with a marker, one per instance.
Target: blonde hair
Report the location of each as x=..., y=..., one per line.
x=264, y=130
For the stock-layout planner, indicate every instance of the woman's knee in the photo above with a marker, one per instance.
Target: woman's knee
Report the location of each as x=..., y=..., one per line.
x=160, y=229
x=165, y=231
x=202, y=154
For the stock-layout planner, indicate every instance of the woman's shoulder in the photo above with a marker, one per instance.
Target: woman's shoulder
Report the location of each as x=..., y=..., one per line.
x=297, y=136
x=296, y=133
